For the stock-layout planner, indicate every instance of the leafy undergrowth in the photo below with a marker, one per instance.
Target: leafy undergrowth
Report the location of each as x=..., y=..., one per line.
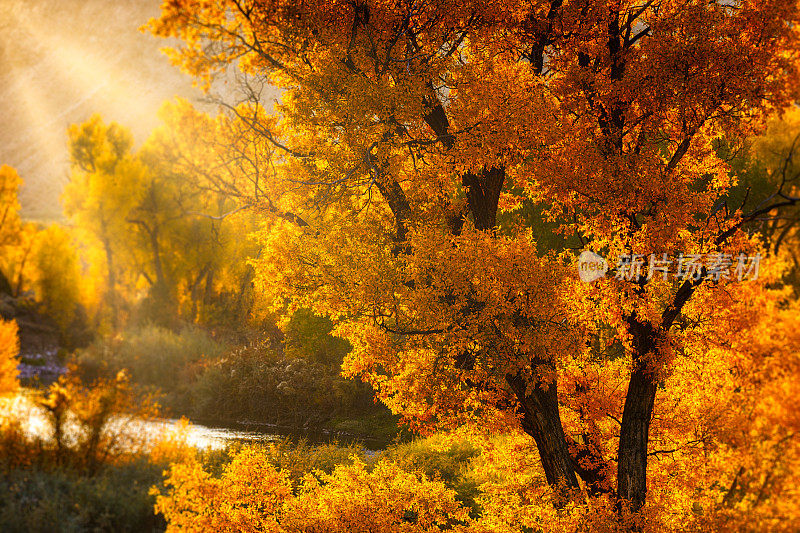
x=64, y=499
x=381, y=426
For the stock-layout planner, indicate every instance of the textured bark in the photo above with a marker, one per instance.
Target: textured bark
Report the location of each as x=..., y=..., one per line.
x=640, y=400
x=483, y=193
x=636, y=415
x=632, y=467
x=436, y=119
x=395, y=197
x=542, y=421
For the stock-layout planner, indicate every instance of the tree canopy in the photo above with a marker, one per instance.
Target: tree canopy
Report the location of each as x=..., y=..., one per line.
x=420, y=154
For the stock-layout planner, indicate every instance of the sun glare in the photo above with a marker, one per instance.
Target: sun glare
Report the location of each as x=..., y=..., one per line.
x=61, y=67
x=80, y=70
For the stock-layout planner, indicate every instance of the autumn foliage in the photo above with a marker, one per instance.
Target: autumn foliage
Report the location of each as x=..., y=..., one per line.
x=423, y=154
x=95, y=423
x=724, y=458
x=9, y=349
x=427, y=181
x=252, y=495
x=9, y=213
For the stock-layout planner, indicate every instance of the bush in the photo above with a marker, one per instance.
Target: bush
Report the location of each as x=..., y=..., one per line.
x=9, y=349
x=437, y=458
x=257, y=382
x=90, y=425
x=380, y=427
x=154, y=356
x=308, y=337
x=63, y=499
x=300, y=458
x=251, y=494
x=89, y=471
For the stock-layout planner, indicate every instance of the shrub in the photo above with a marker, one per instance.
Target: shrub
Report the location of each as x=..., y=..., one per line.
x=441, y=458
x=91, y=425
x=89, y=472
x=62, y=499
x=17, y=449
x=297, y=459
x=252, y=495
x=9, y=349
x=308, y=337
x=256, y=382
x=154, y=356
x=378, y=426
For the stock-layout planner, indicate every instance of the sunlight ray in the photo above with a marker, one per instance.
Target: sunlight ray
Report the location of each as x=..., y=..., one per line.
x=90, y=73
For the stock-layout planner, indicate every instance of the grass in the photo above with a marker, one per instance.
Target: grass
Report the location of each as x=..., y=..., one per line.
x=65, y=500
x=381, y=427
x=449, y=461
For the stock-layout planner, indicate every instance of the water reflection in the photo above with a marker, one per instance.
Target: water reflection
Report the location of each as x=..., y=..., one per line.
x=143, y=434
x=205, y=437
x=34, y=423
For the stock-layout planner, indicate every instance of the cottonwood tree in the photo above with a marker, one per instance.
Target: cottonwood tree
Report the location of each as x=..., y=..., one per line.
x=412, y=144
x=9, y=350
x=106, y=182
x=204, y=228
x=11, y=228
x=9, y=212
x=768, y=163
x=143, y=213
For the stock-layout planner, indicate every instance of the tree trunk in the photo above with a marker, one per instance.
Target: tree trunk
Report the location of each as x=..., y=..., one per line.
x=18, y=284
x=195, y=290
x=158, y=267
x=542, y=421
x=636, y=415
x=112, y=282
x=632, y=466
x=640, y=400
x=483, y=193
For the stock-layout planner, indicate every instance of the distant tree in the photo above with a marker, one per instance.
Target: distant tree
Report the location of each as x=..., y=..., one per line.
x=10, y=223
x=208, y=234
x=170, y=247
x=58, y=279
x=763, y=165
x=105, y=183
x=9, y=349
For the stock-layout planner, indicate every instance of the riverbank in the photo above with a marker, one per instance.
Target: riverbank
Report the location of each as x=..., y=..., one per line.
x=268, y=385
x=54, y=480
x=372, y=433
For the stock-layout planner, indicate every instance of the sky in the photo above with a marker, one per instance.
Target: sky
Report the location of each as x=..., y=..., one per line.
x=60, y=62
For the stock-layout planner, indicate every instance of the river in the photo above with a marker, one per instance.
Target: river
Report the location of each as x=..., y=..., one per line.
x=35, y=424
